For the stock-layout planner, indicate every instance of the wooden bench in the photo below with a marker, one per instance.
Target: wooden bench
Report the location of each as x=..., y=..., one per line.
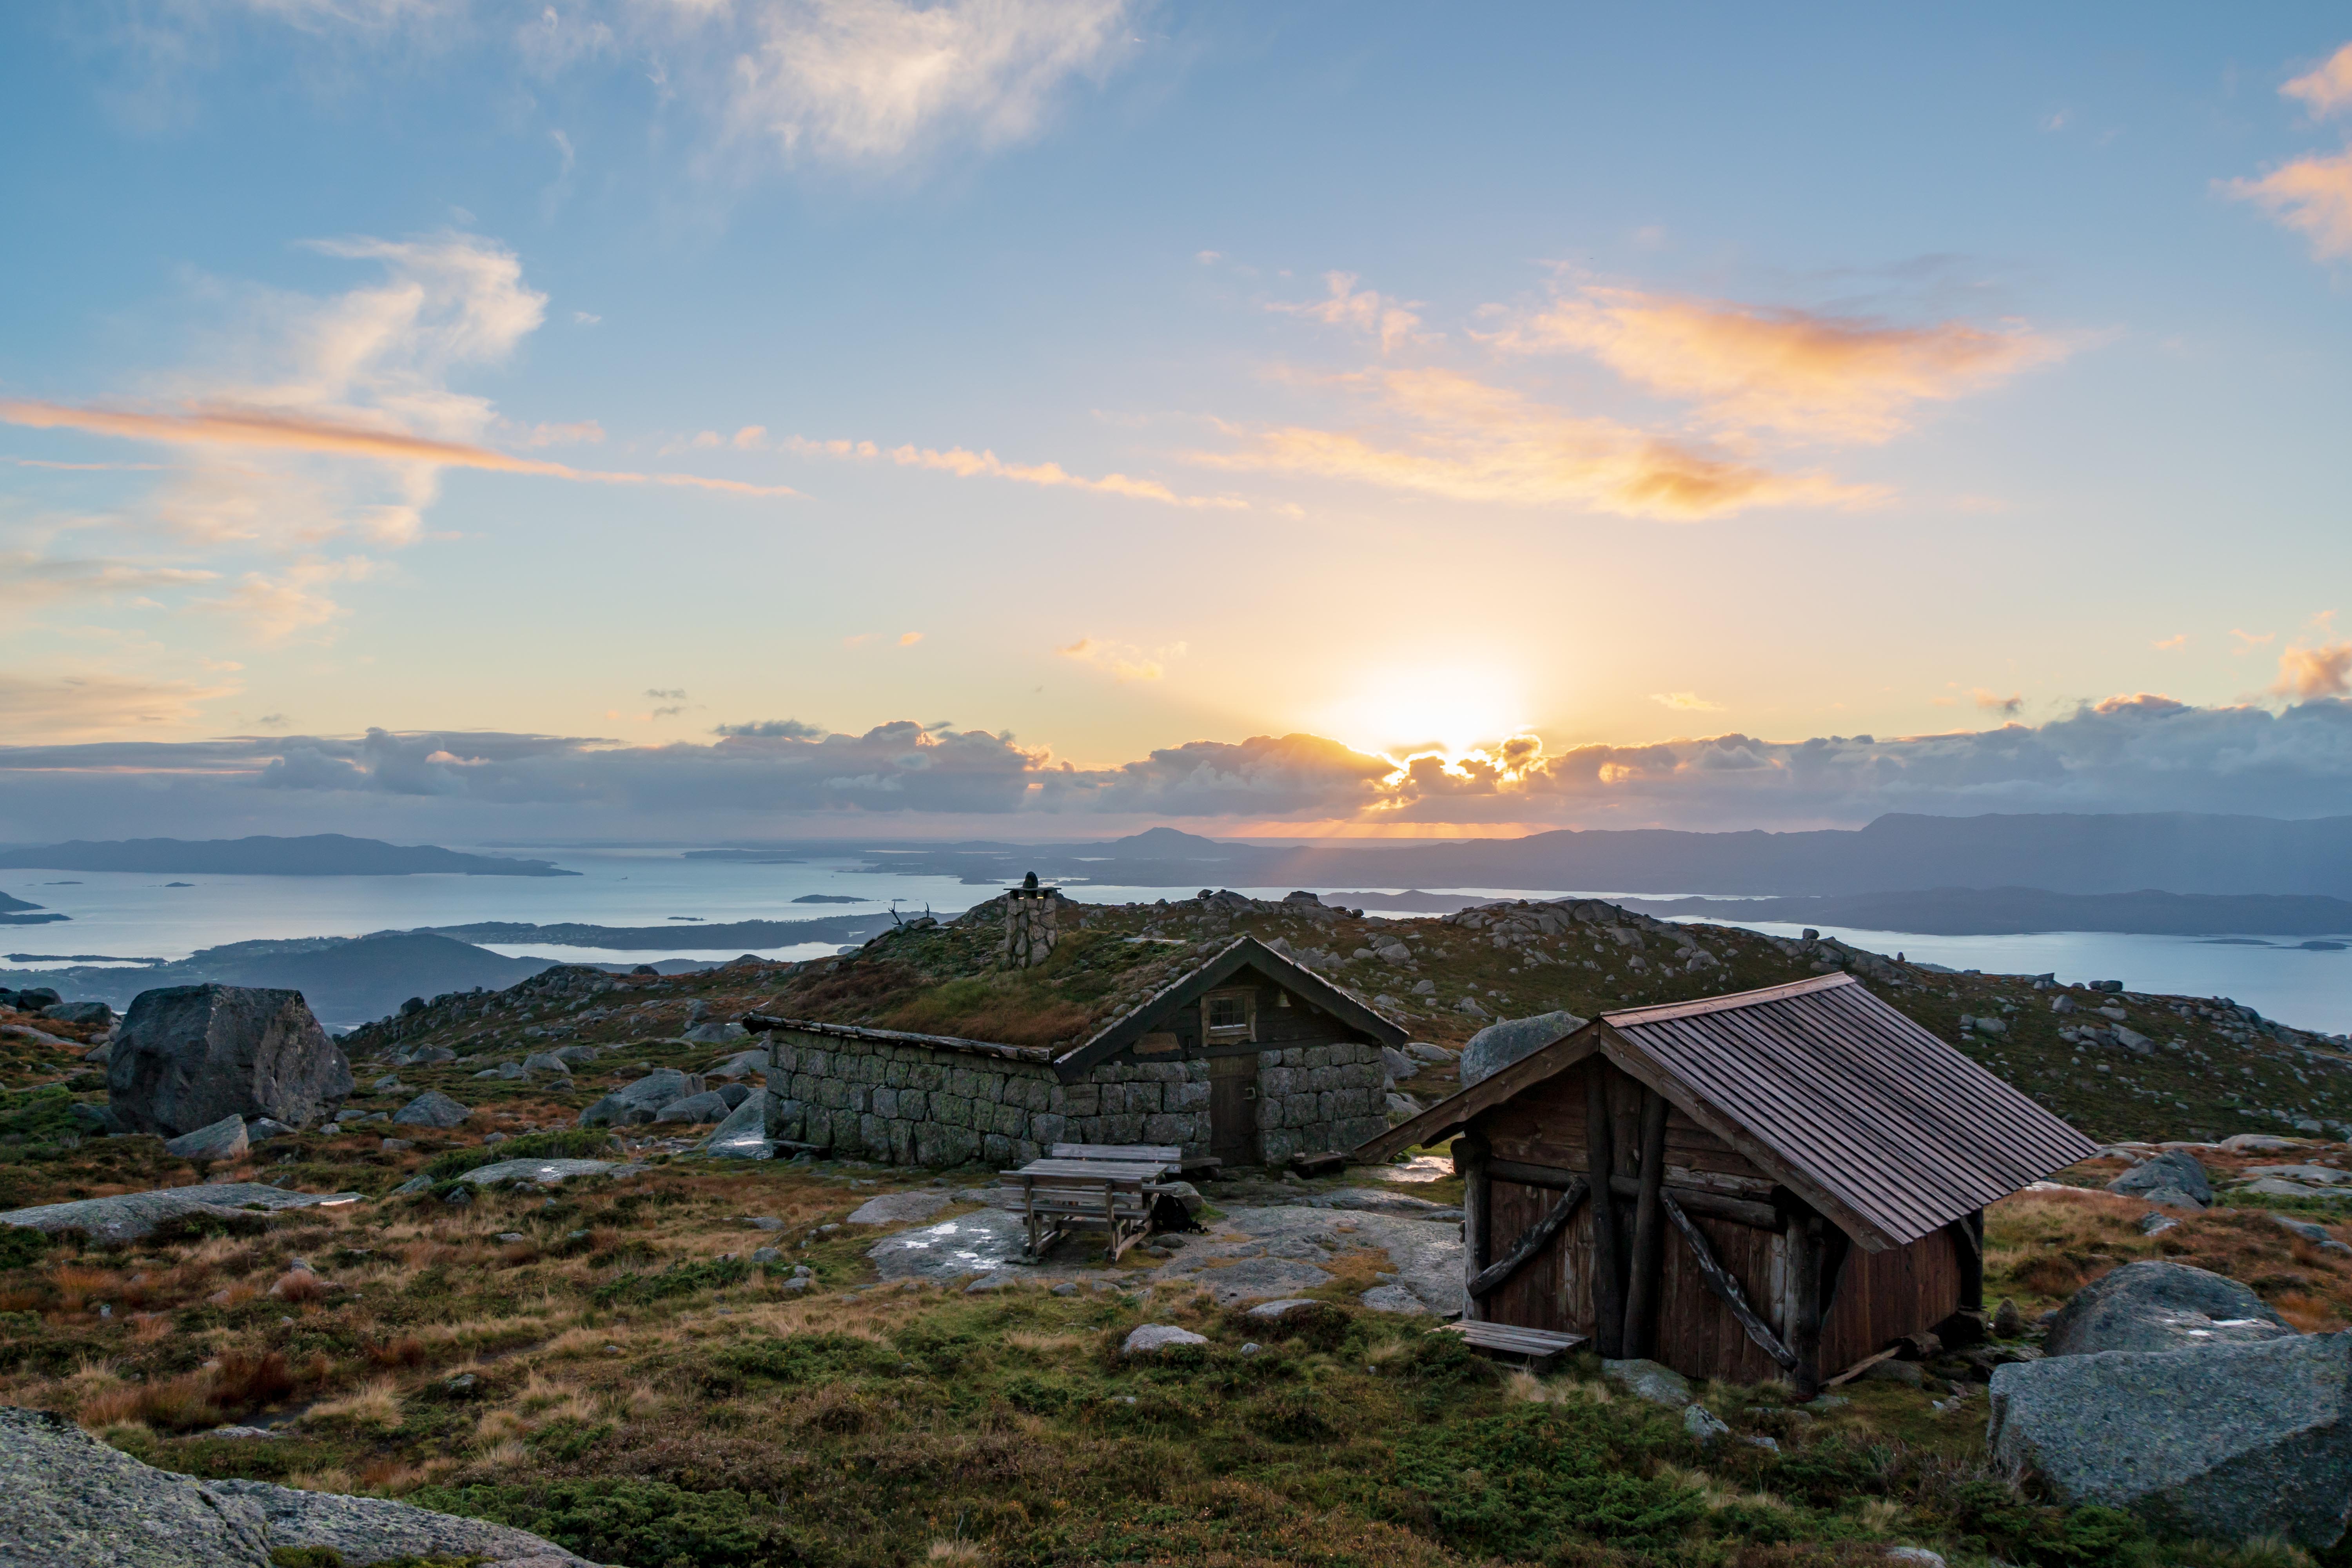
x=1167, y=1156
x=1535, y=1349
x=1058, y=1196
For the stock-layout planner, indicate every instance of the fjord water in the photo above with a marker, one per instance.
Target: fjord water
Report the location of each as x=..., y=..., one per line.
x=145, y=915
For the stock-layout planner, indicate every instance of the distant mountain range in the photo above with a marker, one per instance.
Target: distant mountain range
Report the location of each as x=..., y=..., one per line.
x=316, y=854
x=2178, y=852
x=2000, y=911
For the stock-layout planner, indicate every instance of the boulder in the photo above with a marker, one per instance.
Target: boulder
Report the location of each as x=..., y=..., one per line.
x=748, y=1133
x=714, y=1034
x=129, y=1216
x=1393, y=1299
x=2226, y=1441
x=80, y=1012
x=547, y=1061
x=2153, y=1306
x=1497, y=1046
x=1423, y=1051
x=188, y=1056
x=575, y=1055
x=1704, y=1426
x=34, y=999
x=546, y=1172
x=734, y=1094
x=637, y=1103
x=2315, y=1234
x=2175, y=1168
x=72, y=1500
x=1648, y=1380
x=224, y=1140
x=707, y=1106
x=431, y=1108
x=742, y=1064
x=1151, y=1338
x=1399, y=1065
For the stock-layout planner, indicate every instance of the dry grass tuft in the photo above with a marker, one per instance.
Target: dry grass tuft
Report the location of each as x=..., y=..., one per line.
x=955, y=1551
x=376, y=1405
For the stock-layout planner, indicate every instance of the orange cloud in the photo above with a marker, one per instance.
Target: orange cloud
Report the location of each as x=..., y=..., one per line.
x=87, y=706
x=1124, y=661
x=1787, y=370
x=2310, y=672
x=1686, y=701
x=230, y=427
x=1365, y=310
x=2328, y=90
x=1452, y=435
x=2312, y=194
x=965, y=464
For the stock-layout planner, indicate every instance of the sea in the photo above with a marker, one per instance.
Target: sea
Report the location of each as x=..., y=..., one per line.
x=134, y=915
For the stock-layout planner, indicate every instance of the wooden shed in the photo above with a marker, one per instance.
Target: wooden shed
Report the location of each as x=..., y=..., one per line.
x=1796, y=1177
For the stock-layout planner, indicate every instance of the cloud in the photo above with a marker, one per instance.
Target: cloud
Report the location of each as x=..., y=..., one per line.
x=909, y=640
x=545, y=435
x=769, y=729
x=1123, y=661
x=1685, y=703
x=69, y=707
x=1796, y=371
x=271, y=607
x=1440, y=432
x=2248, y=641
x=258, y=428
x=2313, y=195
x=2177, y=640
x=966, y=464
x=2140, y=752
x=32, y=579
x=2306, y=673
x=1389, y=320
x=1994, y=702
x=870, y=82
x=2328, y=90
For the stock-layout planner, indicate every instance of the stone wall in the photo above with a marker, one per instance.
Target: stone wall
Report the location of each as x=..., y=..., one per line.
x=921, y=1105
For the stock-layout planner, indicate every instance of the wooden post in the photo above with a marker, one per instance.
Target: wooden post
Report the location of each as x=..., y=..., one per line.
x=1470, y=1155
x=1644, y=1282
x=1805, y=1300
x=1608, y=1271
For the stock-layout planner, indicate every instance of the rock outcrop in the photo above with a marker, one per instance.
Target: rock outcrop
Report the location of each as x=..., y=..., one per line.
x=2173, y=1177
x=2228, y=1441
x=72, y=1500
x=1497, y=1046
x=187, y=1055
x=127, y=1216
x=2153, y=1306
x=431, y=1108
x=634, y=1104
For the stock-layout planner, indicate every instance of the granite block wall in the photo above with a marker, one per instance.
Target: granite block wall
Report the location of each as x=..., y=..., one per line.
x=925, y=1105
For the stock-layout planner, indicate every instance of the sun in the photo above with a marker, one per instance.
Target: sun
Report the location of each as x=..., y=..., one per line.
x=1452, y=710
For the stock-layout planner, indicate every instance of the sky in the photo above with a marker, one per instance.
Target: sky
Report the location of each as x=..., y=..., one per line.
x=759, y=418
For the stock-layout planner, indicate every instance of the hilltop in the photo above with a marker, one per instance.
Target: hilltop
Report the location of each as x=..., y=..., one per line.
x=2116, y=1064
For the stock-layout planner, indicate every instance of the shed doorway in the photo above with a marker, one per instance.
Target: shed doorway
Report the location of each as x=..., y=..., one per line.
x=1233, y=1110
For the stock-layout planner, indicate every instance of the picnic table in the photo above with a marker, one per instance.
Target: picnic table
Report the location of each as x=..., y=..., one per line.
x=1109, y=1187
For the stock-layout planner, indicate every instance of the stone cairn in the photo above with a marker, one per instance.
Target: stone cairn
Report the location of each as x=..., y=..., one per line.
x=1032, y=916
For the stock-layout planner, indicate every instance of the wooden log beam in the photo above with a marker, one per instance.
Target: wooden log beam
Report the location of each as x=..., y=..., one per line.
x=1492, y=1277
x=1805, y=1280
x=1720, y=1281
x=1470, y=1154
x=1698, y=1200
x=1642, y=1279
x=1608, y=1267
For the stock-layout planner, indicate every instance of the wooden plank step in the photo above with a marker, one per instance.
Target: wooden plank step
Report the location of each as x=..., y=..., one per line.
x=1536, y=1348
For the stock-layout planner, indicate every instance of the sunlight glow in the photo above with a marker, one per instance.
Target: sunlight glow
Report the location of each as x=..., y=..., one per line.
x=1445, y=711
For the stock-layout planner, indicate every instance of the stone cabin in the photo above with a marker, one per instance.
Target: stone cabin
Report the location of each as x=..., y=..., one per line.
x=1243, y=1055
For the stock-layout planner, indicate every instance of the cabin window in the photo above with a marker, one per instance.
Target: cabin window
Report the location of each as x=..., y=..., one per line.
x=1231, y=1015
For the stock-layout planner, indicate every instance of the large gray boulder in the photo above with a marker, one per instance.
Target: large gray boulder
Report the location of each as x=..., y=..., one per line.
x=637, y=1103
x=71, y=1500
x=1497, y=1046
x=2228, y=1441
x=707, y=1106
x=224, y=1140
x=2175, y=1169
x=2154, y=1306
x=128, y=1216
x=431, y=1108
x=187, y=1055
x=748, y=1131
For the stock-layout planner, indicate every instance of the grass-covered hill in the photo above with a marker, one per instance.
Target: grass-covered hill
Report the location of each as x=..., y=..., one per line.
x=2148, y=1066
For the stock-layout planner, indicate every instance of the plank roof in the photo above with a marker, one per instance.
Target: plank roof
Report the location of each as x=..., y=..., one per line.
x=1883, y=1127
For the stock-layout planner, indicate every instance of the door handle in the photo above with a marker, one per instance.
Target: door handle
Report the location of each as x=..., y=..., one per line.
x=1249, y=1092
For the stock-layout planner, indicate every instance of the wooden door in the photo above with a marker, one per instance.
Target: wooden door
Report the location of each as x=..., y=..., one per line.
x=1233, y=1110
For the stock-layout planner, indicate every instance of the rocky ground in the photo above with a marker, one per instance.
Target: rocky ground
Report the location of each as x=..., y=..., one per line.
x=650, y=1357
